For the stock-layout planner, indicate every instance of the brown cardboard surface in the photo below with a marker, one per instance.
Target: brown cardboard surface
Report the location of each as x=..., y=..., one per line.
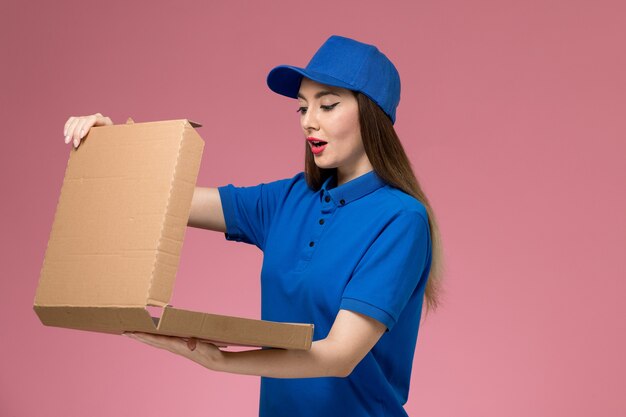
x=117, y=234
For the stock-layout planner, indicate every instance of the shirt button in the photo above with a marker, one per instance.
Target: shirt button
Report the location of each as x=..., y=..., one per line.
x=342, y=202
x=311, y=244
x=327, y=198
x=321, y=221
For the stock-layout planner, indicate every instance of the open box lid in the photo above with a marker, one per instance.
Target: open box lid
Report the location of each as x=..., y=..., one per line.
x=117, y=235
x=121, y=216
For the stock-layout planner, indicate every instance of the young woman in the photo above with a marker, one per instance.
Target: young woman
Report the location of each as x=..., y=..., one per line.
x=350, y=244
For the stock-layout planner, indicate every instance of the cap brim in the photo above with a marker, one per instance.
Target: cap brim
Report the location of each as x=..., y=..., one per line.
x=285, y=80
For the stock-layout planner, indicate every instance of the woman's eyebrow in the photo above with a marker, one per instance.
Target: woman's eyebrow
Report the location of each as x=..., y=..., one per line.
x=320, y=94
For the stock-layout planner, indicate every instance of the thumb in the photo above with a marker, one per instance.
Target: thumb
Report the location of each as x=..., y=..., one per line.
x=191, y=343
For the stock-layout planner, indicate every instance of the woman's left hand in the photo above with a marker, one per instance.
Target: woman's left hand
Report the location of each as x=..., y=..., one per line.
x=350, y=338
x=206, y=354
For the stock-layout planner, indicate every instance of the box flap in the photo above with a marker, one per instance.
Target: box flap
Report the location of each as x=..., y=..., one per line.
x=121, y=216
x=192, y=123
x=114, y=320
x=226, y=330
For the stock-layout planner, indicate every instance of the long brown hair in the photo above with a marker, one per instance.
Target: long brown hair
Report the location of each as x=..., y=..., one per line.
x=386, y=154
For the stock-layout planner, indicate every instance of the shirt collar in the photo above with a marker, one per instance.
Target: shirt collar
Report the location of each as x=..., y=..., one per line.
x=351, y=190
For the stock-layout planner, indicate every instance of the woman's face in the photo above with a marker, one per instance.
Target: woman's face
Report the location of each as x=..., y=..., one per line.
x=329, y=117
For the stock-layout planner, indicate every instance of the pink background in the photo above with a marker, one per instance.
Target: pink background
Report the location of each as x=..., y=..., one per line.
x=512, y=112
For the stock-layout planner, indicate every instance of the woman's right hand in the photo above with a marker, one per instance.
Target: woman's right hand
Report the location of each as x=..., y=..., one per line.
x=77, y=127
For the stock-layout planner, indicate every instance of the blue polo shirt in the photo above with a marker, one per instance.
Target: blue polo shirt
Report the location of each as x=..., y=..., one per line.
x=363, y=246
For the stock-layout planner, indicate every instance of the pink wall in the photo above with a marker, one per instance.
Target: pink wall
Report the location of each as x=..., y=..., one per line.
x=512, y=113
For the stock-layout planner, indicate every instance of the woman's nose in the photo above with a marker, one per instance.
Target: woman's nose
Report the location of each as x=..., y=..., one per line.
x=309, y=120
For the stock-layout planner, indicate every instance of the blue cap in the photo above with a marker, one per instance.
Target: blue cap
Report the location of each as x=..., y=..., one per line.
x=344, y=62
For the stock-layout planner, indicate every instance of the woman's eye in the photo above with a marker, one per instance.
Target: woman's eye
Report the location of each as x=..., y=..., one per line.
x=302, y=110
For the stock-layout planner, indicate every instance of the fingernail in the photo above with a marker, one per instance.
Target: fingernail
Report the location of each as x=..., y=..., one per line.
x=67, y=139
x=82, y=133
x=76, y=143
x=191, y=344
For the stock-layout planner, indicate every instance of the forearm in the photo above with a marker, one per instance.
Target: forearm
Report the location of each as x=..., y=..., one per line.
x=323, y=359
x=349, y=340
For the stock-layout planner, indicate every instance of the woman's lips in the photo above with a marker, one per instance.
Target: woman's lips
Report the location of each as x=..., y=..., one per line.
x=317, y=149
x=317, y=145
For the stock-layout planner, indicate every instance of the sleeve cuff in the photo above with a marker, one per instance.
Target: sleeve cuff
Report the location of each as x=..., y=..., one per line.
x=228, y=208
x=369, y=310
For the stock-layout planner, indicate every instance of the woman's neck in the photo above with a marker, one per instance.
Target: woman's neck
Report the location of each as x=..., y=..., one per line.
x=345, y=173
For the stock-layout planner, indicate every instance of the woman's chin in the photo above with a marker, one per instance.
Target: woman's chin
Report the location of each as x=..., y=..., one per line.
x=322, y=165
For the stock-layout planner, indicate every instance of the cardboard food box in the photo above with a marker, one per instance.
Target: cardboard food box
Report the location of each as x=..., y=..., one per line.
x=116, y=239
